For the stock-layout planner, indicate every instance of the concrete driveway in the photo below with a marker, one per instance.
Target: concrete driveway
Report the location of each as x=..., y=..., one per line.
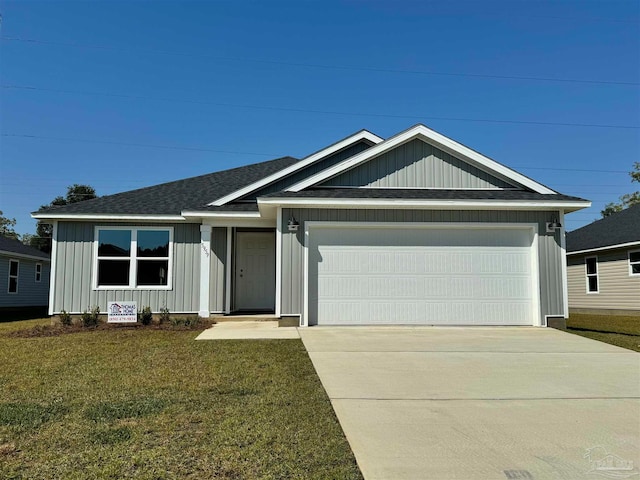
x=481, y=403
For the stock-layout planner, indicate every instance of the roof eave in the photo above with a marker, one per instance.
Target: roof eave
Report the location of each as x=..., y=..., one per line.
x=107, y=217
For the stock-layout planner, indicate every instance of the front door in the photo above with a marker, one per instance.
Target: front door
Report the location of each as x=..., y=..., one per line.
x=255, y=271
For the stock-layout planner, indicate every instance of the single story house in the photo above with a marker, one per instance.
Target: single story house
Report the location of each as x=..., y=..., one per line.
x=604, y=265
x=24, y=276
x=413, y=229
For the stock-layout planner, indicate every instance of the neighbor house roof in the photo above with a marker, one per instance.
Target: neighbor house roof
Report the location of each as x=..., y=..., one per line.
x=618, y=229
x=172, y=198
x=9, y=246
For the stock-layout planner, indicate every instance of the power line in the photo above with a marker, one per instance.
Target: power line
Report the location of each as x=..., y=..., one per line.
x=324, y=66
x=324, y=112
x=130, y=144
x=205, y=149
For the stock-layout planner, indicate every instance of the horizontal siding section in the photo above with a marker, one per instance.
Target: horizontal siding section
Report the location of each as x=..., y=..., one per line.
x=30, y=293
x=549, y=249
x=74, y=272
x=416, y=164
x=617, y=289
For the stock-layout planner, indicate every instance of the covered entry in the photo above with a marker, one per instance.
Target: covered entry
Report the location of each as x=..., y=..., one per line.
x=443, y=274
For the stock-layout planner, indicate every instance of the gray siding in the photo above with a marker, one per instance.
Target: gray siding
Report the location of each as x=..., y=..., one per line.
x=74, y=272
x=549, y=249
x=30, y=293
x=310, y=170
x=416, y=164
x=217, y=288
x=617, y=289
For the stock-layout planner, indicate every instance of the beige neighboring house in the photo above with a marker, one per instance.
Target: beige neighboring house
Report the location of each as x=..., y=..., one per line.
x=603, y=265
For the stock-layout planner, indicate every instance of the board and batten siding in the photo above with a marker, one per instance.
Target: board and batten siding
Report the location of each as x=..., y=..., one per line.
x=30, y=293
x=549, y=248
x=74, y=271
x=416, y=164
x=217, y=284
x=617, y=289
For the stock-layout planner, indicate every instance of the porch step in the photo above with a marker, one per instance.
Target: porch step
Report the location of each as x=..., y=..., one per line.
x=244, y=318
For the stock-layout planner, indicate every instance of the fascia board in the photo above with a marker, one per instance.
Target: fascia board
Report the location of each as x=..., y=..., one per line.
x=439, y=140
x=361, y=135
x=417, y=203
x=608, y=247
x=197, y=214
x=93, y=216
x=24, y=255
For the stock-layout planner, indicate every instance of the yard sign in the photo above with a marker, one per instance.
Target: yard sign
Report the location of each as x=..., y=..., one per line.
x=122, y=312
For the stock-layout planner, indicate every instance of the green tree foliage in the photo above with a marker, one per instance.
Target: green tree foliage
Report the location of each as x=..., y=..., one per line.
x=7, y=227
x=44, y=231
x=627, y=199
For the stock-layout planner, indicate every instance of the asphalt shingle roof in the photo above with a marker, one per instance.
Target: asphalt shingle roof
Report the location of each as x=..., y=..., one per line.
x=16, y=246
x=616, y=229
x=422, y=194
x=172, y=198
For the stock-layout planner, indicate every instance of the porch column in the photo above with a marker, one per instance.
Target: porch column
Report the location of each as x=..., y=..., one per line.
x=205, y=267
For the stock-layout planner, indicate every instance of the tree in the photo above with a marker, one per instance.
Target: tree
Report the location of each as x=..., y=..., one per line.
x=44, y=231
x=7, y=227
x=627, y=199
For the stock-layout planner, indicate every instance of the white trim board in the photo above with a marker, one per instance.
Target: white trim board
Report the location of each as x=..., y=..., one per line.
x=434, y=138
x=24, y=255
x=608, y=247
x=106, y=217
x=532, y=227
x=325, y=152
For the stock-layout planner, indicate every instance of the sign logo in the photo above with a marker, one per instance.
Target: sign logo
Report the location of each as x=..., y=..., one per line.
x=122, y=312
x=608, y=464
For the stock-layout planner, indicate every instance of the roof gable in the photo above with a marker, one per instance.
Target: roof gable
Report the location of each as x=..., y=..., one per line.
x=345, y=143
x=437, y=140
x=417, y=164
x=618, y=229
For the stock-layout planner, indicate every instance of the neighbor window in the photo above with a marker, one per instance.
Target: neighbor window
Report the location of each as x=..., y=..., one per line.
x=14, y=269
x=591, y=264
x=634, y=263
x=133, y=257
x=38, y=272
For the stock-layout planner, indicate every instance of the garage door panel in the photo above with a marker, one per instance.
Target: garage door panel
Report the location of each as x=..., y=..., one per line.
x=485, y=278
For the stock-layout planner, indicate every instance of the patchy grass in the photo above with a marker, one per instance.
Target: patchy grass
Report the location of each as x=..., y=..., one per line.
x=155, y=404
x=623, y=331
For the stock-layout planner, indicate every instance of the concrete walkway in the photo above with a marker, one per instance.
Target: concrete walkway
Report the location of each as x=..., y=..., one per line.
x=480, y=403
x=260, y=330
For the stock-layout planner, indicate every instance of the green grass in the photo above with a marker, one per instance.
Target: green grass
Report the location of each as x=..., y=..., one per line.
x=155, y=404
x=623, y=331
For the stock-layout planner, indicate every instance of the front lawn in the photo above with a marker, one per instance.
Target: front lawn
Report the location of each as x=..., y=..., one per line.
x=623, y=331
x=155, y=404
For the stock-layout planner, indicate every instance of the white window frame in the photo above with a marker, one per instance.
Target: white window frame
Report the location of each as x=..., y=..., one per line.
x=16, y=276
x=133, y=259
x=587, y=275
x=38, y=272
x=631, y=274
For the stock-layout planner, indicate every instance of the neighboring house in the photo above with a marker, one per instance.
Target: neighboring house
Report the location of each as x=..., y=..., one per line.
x=604, y=264
x=414, y=229
x=24, y=276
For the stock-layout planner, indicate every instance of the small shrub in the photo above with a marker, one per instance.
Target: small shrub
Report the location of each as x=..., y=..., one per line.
x=91, y=318
x=65, y=318
x=145, y=316
x=164, y=315
x=187, y=322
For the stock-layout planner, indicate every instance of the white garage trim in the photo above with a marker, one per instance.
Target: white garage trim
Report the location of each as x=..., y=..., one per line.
x=531, y=227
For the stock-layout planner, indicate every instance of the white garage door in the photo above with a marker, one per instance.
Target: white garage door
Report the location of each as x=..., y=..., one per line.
x=420, y=275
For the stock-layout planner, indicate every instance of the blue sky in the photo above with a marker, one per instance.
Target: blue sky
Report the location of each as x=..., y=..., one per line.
x=121, y=95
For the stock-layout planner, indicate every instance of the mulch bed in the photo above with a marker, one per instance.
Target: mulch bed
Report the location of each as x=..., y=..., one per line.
x=56, y=330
